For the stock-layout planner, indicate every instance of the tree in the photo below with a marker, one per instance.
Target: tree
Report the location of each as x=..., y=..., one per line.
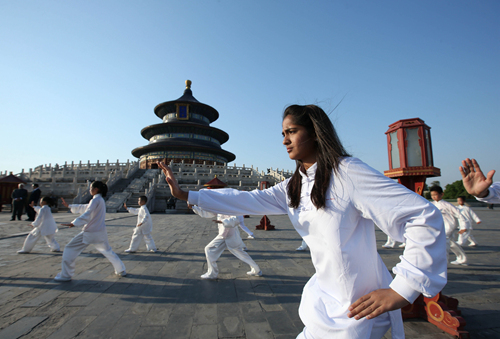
x=456, y=189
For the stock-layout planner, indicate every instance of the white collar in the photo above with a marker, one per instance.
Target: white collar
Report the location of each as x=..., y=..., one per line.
x=310, y=172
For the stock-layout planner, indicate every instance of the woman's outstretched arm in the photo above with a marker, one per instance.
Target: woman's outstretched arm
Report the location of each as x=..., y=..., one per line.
x=172, y=182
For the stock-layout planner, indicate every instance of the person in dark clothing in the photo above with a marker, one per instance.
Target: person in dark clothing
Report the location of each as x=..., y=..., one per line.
x=19, y=198
x=34, y=197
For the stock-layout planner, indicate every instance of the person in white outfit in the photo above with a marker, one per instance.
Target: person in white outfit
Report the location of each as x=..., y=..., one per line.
x=143, y=228
x=479, y=185
x=471, y=217
x=43, y=226
x=228, y=237
x=93, y=232
x=334, y=202
x=450, y=213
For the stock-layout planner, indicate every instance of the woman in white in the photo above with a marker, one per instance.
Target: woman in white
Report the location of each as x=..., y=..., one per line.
x=43, y=226
x=333, y=201
x=93, y=232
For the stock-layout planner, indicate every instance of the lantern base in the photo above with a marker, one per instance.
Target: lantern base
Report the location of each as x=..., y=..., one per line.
x=442, y=311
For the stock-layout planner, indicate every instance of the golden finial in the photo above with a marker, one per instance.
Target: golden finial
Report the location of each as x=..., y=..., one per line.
x=188, y=84
x=215, y=176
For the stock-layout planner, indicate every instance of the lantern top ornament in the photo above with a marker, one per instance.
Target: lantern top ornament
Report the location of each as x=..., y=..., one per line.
x=410, y=153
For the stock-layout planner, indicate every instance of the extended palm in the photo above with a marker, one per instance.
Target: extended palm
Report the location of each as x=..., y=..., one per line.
x=473, y=178
x=172, y=182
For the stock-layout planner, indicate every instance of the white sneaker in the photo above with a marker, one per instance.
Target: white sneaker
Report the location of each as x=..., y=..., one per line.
x=255, y=273
x=156, y=250
x=456, y=262
x=61, y=279
x=22, y=252
x=387, y=246
x=472, y=244
x=250, y=237
x=403, y=245
x=208, y=276
x=129, y=251
x=301, y=248
x=121, y=274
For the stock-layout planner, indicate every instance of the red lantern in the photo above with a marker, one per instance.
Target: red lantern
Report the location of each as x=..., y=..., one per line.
x=410, y=154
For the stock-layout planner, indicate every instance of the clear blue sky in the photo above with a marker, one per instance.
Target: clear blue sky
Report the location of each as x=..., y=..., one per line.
x=80, y=79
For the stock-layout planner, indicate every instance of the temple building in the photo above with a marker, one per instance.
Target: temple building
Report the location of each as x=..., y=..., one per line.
x=185, y=134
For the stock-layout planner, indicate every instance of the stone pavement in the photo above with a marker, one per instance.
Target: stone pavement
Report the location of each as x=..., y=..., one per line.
x=163, y=297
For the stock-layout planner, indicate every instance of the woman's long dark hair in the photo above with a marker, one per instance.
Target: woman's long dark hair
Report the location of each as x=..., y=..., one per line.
x=102, y=187
x=329, y=152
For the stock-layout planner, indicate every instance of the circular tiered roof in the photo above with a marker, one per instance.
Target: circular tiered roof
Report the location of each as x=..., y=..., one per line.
x=184, y=134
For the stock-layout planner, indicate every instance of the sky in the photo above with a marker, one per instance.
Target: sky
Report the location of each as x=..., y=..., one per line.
x=80, y=79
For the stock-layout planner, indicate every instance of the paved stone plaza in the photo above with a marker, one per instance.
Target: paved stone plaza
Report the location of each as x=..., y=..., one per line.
x=163, y=297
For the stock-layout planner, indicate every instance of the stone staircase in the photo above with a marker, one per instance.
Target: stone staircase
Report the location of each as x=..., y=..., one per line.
x=121, y=191
x=129, y=190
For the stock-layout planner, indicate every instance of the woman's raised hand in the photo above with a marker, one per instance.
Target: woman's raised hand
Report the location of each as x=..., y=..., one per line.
x=172, y=182
x=473, y=178
x=64, y=202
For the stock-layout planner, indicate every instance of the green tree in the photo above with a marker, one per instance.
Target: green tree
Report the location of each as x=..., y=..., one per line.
x=456, y=189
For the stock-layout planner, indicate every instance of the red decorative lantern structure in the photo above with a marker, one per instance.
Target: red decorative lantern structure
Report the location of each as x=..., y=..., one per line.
x=410, y=154
x=411, y=162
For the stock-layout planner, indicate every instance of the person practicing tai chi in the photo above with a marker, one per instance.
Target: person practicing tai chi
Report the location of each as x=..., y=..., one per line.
x=479, y=185
x=471, y=217
x=144, y=227
x=93, y=232
x=228, y=237
x=450, y=213
x=43, y=226
x=334, y=201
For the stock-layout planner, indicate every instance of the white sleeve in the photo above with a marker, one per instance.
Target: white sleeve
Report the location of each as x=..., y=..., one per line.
x=78, y=208
x=202, y=213
x=271, y=201
x=474, y=216
x=134, y=211
x=85, y=217
x=493, y=196
x=40, y=215
x=404, y=216
x=230, y=222
x=37, y=208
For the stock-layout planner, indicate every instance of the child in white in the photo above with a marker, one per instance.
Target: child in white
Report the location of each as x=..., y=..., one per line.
x=94, y=232
x=470, y=216
x=449, y=213
x=144, y=227
x=43, y=226
x=228, y=237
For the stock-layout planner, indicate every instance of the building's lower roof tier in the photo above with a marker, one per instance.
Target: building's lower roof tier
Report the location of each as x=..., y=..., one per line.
x=181, y=146
x=186, y=128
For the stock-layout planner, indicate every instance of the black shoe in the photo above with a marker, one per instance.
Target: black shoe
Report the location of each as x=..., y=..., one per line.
x=12, y=219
